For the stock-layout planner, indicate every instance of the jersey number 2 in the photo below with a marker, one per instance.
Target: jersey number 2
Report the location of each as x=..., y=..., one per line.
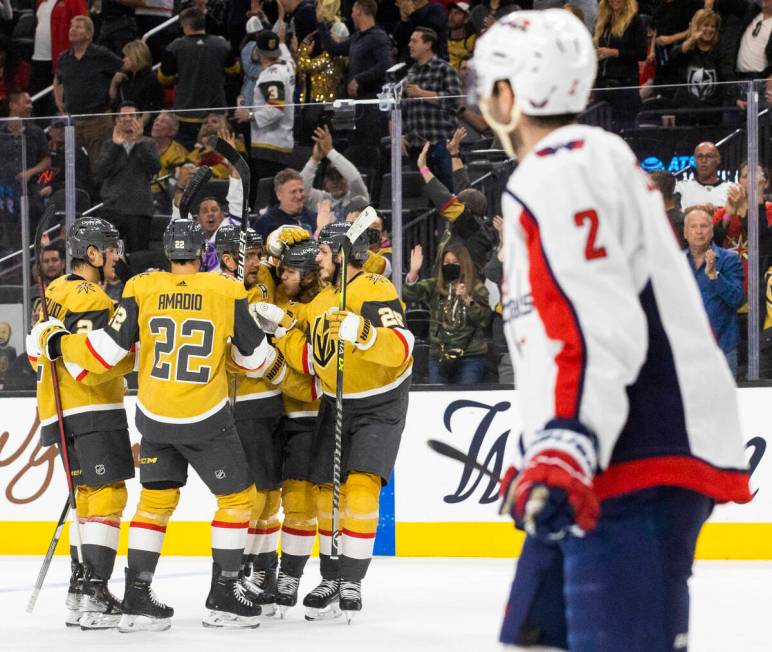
x=165, y=345
x=591, y=251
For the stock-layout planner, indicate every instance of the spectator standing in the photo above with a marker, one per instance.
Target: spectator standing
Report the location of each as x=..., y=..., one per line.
x=719, y=275
x=118, y=26
x=299, y=19
x=421, y=13
x=319, y=72
x=620, y=37
x=754, y=48
x=250, y=66
x=52, y=179
x=459, y=315
x=341, y=181
x=271, y=113
x=150, y=14
x=670, y=20
x=369, y=56
x=291, y=209
x=196, y=64
x=52, y=23
x=136, y=82
x=82, y=83
x=665, y=183
x=127, y=164
x=469, y=116
x=461, y=33
x=435, y=89
x=706, y=187
x=488, y=12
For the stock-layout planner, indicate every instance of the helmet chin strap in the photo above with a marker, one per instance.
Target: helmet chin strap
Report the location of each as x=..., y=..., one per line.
x=502, y=130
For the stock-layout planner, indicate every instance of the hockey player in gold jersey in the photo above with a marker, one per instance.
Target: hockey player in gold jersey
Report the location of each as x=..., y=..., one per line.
x=378, y=364
x=186, y=323
x=95, y=423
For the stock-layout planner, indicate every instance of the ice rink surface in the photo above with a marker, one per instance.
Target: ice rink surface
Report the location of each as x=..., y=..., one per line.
x=425, y=604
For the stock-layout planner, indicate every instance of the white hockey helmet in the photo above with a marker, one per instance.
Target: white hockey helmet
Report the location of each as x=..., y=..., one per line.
x=547, y=56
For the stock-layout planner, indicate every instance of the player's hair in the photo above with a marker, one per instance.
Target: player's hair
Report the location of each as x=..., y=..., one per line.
x=86, y=21
x=193, y=18
x=617, y=25
x=138, y=53
x=705, y=208
x=428, y=35
x=468, y=271
x=284, y=176
x=665, y=183
x=368, y=7
x=311, y=284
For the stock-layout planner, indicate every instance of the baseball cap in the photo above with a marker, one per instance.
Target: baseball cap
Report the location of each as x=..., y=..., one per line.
x=461, y=6
x=267, y=43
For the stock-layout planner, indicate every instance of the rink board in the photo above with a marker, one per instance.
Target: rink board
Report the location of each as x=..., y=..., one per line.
x=435, y=506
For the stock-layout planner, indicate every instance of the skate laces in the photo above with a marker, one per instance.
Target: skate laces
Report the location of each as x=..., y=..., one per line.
x=239, y=591
x=350, y=590
x=326, y=588
x=287, y=583
x=258, y=578
x=154, y=599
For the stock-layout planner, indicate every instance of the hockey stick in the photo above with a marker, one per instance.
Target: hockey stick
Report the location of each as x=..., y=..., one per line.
x=453, y=453
x=230, y=154
x=196, y=183
x=360, y=225
x=71, y=504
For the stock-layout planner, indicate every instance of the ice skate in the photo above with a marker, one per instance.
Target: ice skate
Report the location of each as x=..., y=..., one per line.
x=350, y=598
x=261, y=585
x=322, y=602
x=286, y=592
x=228, y=604
x=142, y=611
x=74, y=595
x=100, y=609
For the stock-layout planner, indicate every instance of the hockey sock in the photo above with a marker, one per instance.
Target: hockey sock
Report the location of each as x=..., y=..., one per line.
x=298, y=499
x=327, y=567
x=268, y=527
x=250, y=547
x=229, y=529
x=81, y=504
x=360, y=522
x=101, y=527
x=148, y=527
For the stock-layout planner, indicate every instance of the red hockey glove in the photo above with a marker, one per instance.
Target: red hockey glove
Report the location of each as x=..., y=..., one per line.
x=552, y=495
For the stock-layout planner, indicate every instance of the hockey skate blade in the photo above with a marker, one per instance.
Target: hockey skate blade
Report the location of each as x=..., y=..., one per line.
x=225, y=620
x=268, y=610
x=328, y=613
x=130, y=624
x=72, y=619
x=93, y=620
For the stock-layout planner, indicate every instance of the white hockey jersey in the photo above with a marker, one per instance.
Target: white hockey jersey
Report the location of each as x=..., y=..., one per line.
x=606, y=326
x=273, y=110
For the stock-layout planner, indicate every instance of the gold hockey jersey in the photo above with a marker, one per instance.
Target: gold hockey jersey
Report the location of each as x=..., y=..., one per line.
x=294, y=407
x=90, y=402
x=186, y=325
x=379, y=369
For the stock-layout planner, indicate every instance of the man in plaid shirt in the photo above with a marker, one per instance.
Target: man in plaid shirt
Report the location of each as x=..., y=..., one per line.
x=428, y=117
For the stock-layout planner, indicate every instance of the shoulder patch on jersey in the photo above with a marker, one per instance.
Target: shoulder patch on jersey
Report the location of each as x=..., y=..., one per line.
x=85, y=287
x=374, y=278
x=570, y=145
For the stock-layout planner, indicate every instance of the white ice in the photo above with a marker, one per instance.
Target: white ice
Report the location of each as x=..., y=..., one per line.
x=422, y=604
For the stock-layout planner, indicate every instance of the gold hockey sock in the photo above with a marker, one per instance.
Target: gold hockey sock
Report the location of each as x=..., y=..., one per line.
x=101, y=527
x=298, y=499
x=268, y=532
x=148, y=527
x=360, y=522
x=229, y=529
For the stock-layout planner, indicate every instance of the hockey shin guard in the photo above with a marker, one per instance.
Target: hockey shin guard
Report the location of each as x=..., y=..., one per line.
x=360, y=522
x=101, y=527
x=298, y=499
x=229, y=529
x=148, y=527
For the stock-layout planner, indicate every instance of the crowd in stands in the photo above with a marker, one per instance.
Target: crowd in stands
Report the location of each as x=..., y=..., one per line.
x=263, y=74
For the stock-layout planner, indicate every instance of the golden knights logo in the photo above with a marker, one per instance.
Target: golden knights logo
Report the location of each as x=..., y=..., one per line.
x=85, y=287
x=323, y=344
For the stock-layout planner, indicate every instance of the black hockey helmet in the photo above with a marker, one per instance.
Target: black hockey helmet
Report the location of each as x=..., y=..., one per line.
x=91, y=232
x=226, y=241
x=334, y=235
x=301, y=256
x=183, y=240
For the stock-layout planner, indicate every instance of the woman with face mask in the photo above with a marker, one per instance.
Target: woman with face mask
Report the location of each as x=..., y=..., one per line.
x=459, y=315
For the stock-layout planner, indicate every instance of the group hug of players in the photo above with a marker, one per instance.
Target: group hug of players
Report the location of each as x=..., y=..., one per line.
x=237, y=380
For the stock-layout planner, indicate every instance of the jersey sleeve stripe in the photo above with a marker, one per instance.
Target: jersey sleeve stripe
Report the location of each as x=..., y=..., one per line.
x=559, y=319
x=93, y=351
x=408, y=340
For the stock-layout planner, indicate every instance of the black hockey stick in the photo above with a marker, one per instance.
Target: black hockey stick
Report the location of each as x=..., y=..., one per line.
x=360, y=225
x=453, y=453
x=229, y=153
x=196, y=183
x=42, y=225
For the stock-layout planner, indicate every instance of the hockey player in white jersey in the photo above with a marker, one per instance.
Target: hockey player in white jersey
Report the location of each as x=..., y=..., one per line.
x=630, y=423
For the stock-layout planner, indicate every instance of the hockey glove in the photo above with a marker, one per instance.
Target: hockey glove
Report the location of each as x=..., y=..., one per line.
x=44, y=338
x=351, y=327
x=273, y=369
x=553, y=495
x=271, y=319
x=285, y=236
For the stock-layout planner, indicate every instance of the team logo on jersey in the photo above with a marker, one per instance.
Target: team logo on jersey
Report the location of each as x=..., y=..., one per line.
x=324, y=345
x=99, y=469
x=85, y=287
x=219, y=474
x=182, y=284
